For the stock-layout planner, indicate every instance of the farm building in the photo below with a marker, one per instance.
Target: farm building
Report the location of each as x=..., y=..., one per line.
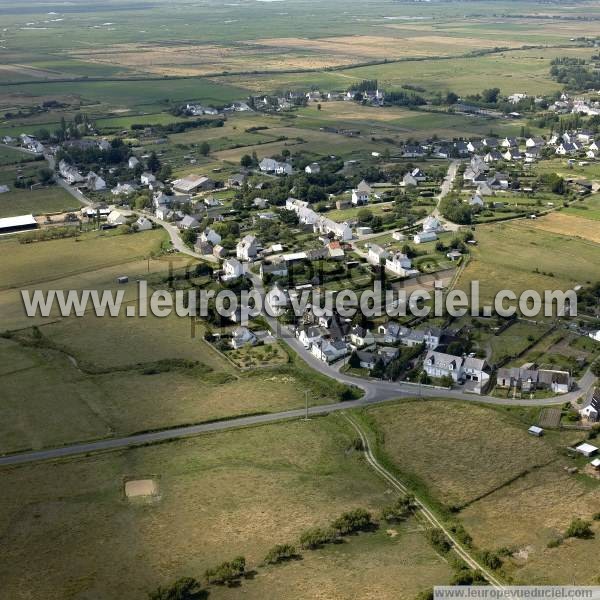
x=15, y=224
x=586, y=449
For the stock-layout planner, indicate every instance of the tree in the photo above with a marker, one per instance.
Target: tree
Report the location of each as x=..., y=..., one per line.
x=46, y=176
x=317, y=537
x=451, y=98
x=246, y=161
x=153, y=163
x=319, y=106
x=204, y=148
x=490, y=96
x=226, y=572
x=165, y=172
x=354, y=520
x=437, y=538
x=596, y=368
x=189, y=236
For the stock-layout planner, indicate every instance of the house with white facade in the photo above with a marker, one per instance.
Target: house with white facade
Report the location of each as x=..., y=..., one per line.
x=247, y=248
x=399, y=264
x=232, y=269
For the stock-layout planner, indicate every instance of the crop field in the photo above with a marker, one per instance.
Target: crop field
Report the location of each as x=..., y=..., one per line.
x=529, y=258
x=224, y=495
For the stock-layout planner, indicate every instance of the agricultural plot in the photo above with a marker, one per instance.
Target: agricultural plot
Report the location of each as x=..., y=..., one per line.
x=471, y=451
x=224, y=495
x=529, y=258
x=589, y=209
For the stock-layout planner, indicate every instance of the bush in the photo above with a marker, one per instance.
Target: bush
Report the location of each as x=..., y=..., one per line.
x=280, y=553
x=596, y=516
x=438, y=539
x=226, y=572
x=350, y=522
x=555, y=543
x=580, y=529
x=467, y=577
x=317, y=537
x=400, y=510
x=491, y=559
x=186, y=588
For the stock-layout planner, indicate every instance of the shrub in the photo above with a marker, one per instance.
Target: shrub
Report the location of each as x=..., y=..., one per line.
x=354, y=520
x=555, y=543
x=400, y=510
x=491, y=559
x=579, y=529
x=596, y=516
x=317, y=537
x=438, y=539
x=280, y=553
x=185, y=588
x=226, y=572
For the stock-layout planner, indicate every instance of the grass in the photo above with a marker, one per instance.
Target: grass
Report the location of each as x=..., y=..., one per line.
x=53, y=199
x=527, y=257
x=514, y=340
x=222, y=495
x=590, y=209
x=471, y=451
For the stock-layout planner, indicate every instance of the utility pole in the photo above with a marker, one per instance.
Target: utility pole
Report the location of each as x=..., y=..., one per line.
x=306, y=404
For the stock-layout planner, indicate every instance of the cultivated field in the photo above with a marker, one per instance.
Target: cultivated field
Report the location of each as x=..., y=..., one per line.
x=223, y=495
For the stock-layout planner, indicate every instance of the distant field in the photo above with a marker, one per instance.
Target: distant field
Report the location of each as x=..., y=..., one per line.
x=38, y=202
x=590, y=209
x=570, y=224
x=10, y=156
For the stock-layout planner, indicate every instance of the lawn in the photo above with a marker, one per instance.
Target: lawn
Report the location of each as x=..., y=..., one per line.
x=52, y=199
x=514, y=340
x=588, y=209
x=223, y=495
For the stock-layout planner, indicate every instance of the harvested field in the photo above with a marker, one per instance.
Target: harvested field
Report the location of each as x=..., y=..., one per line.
x=569, y=224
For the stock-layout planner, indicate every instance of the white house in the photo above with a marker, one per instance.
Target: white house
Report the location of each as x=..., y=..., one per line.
x=329, y=350
x=147, y=178
x=591, y=411
x=359, y=197
x=143, y=224
x=431, y=224
x=232, y=269
x=188, y=222
x=133, y=162
x=69, y=173
x=247, y=248
x=309, y=335
x=312, y=169
x=439, y=364
x=425, y=236
x=376, y=255
x=116, y=218
x=361, y=337
x=123, y=189
x=400, y=264
x=242, y=336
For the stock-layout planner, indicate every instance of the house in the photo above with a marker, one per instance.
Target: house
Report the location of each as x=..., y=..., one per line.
x=510, y=142
x=219, y=252
x=117, y=218
x=147, y=178
x=528, y=379
x=409, y=180
x=399, y=264
x=270, y=165
x=247, y=248
x=359, y=197
x=586, y=449
x=559, y=382
x=535, y=142
x=69, y=173
x=567, y=148
x=361, y=337
x=367, y=360
x=431, y=224
x=164, y=213
x=236, y=180
x=309, y=334
x=95, y=183
x=188, y=222
x=425, y=236
x=376, y=255
x=232, y=269
x=398, y=236
x=193, y=183
x=312, y=169
x=329, y=350
x=275, y=268
x=203, y=248
x=591, y=411
x=123, y=189
x=492, y=156
x=512, y=154
x=475, y=146
x=133, y=162
x=211, y=236
x=438, y=364
x=242, y=336
x=490, y=142
x=143, y=224
x=394, y=333
x=413, y=151
x=476, y=200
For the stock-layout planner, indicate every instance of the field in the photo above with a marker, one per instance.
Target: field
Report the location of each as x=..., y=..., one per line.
x=571, y=225
x=484, y=461
x=590, y=209
x=521, y=253
x=221, y=496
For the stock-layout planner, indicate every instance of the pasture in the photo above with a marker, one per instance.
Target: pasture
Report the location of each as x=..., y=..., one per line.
x=222, y=495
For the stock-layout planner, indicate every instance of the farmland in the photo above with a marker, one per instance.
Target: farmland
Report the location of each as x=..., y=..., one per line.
x=222, y=495
x=491, y=467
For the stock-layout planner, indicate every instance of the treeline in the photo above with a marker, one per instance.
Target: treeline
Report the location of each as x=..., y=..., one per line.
x=574, y=74
x=180, y=126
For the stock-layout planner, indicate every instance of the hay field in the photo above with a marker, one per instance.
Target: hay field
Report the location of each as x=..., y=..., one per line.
x=220, y=496
x=570, y=225
x=458, y=452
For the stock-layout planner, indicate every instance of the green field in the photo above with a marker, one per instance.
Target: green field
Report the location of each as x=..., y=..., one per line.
x=221, y=496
